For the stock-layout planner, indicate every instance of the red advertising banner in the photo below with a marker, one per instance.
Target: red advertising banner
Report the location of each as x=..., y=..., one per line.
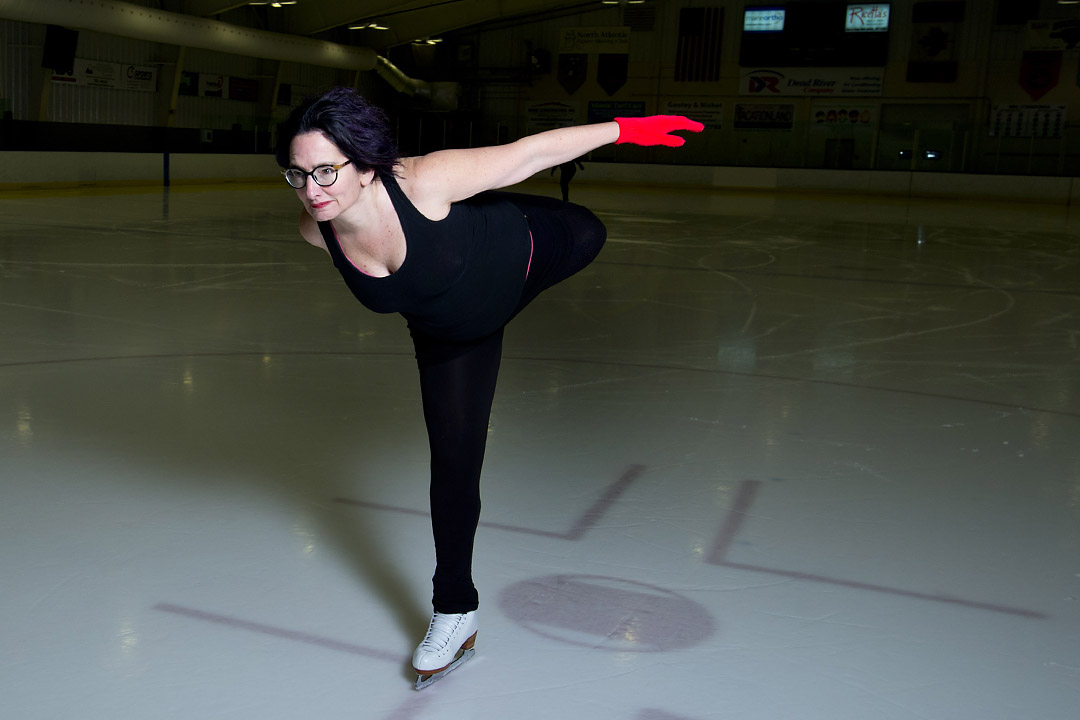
x=1039, y=72
x=243, y=89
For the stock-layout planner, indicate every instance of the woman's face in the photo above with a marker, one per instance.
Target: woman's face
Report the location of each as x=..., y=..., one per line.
x=313, y=149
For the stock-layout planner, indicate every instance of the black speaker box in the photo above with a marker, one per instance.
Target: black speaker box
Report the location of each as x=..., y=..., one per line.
x=59, y=55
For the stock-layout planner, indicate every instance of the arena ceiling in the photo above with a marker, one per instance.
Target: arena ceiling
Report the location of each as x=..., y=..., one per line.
x=405, y=22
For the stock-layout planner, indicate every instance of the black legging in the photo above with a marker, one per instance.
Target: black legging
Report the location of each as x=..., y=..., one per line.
x=457, y=384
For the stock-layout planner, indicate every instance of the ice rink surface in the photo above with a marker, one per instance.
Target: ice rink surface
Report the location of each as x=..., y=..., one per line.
x=768, y=457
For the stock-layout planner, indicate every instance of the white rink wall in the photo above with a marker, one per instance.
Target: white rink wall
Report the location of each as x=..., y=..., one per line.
x=25, y=170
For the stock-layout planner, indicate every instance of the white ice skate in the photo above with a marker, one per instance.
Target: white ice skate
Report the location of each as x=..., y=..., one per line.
x=448, y=643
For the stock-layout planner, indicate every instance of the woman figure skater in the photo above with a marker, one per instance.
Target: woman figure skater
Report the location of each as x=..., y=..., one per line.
x=423, y=237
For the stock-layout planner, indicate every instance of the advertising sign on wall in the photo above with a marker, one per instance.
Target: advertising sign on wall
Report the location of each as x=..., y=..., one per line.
x=1028, y=121
x=762, y=116
x=213, y=85
x=867, y=17
x=1052, y=34
x=812, y=81
x=550, y=115
x=189, y=83
x=595, y=40
x=709, y=112
x=840, y=115
x=608, y=110
x=110, y=75
x=763, y=20
x=243, y=89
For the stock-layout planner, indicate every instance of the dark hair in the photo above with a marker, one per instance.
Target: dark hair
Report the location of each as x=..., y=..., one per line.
x=358, y=128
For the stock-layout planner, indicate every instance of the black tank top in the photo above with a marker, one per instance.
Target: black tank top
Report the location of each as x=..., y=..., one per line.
x=462, y=276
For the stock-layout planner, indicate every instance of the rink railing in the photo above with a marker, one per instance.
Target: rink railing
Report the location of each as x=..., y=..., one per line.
x=38, y=170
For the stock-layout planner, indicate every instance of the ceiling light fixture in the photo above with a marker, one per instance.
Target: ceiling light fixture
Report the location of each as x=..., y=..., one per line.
x=283, y=3
x=375, y=26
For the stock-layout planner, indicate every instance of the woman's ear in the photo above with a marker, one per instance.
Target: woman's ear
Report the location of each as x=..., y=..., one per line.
x=366, y=177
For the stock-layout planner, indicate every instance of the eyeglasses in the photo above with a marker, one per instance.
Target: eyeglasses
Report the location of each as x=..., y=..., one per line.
x=324, y=175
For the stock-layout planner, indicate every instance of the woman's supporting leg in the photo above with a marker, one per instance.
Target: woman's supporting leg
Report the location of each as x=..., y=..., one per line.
x=457, y=384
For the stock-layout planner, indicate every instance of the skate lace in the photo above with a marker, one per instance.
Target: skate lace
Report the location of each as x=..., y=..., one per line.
x=441, y=629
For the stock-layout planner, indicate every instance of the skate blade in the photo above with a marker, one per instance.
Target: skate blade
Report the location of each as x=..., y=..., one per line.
x=425, y=680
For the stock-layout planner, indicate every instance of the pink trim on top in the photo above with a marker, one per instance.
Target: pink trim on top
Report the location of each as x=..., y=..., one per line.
x=531, y=247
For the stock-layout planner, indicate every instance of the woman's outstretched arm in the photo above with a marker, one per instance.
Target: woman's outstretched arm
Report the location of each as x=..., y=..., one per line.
x=447, y=176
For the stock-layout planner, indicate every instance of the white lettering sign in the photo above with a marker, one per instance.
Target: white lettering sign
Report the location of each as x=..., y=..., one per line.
x=1028, y=121
x=110, y=75
x=709, y=112
x=763, y=20
x=764, y=117
x=213, y=85
x=1053, y=34
x=614, y=40
x=872, y=17
x=550, y=115
x=812, y=81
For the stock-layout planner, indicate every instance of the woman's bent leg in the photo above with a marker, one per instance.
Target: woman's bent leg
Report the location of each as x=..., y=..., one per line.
x=566, y=238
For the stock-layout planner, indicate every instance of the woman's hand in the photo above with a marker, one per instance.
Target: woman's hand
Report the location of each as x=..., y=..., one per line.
x=655, y=129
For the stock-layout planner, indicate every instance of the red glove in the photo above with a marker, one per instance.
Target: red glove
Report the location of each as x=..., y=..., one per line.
x=653, y=130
